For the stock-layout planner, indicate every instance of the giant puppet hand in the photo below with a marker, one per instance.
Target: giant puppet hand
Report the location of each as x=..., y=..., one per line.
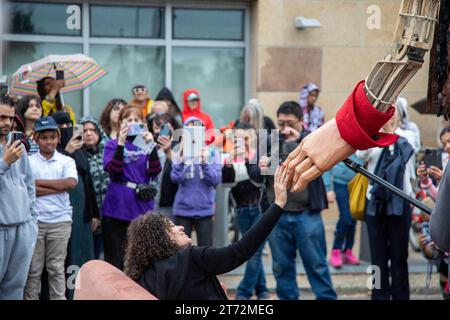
x=359, y=120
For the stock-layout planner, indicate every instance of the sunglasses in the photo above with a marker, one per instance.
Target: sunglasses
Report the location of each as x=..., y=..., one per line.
x=140, y=89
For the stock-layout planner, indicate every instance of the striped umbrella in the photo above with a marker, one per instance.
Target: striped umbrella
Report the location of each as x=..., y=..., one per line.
x=80, y=71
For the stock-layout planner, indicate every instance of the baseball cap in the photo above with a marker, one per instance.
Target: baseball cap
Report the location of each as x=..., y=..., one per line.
x=45, y=123
x=193, y=96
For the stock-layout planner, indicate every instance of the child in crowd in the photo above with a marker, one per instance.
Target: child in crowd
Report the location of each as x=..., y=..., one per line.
x=55, y=174
x=194, y=204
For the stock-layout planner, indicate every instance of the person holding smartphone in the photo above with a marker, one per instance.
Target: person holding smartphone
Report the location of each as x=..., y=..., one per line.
x=28, y=111
x=162, y=125
x=49, y=89
x=18, y=211
x=425, y=172
x=197, y=176
x=131, y=169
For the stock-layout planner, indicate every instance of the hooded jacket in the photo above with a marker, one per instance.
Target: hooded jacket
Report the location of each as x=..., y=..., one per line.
x=100, y=178
x=406, y=124
x=86, y=190
x=174, y=110
x=315, y=118
x=187, y=112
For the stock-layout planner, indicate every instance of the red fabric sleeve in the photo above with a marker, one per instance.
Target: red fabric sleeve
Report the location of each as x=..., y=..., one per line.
x=359, y=122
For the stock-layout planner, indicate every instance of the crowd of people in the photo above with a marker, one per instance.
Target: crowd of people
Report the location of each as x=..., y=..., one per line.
x=74, y=190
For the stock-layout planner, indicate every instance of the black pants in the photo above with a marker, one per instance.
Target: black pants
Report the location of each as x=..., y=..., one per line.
x=388, y=236
x=114, y=238
x=203, y=227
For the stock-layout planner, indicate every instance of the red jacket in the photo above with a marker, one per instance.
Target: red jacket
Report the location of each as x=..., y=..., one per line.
x=206, y=119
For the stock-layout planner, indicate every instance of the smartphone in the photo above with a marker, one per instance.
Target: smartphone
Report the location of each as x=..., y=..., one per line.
x=3, y=90
x=432, y=157
x=165, y=130
x=135, y=129
x=14, y=136
x=78, y=131
x=59, y=74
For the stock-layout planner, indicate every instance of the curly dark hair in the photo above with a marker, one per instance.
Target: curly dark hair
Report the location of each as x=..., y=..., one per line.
x=147, y=241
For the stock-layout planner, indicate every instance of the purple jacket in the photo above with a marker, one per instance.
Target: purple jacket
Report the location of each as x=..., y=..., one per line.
x=197, y=188
x=135, y=166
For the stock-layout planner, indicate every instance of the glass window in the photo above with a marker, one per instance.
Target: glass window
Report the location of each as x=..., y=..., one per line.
x=43, y=18
x=133, y=22
x=16, y=54
x=208, y=24
x=218, y=73
x=126, y=66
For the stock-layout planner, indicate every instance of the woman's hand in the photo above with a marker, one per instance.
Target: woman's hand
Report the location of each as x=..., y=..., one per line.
x=331, y=197
x=316, y=154
x=148, y=136
x=281, y=179
x=95, y=224
x=435, y=172
x=264, y=162
x=291, y=134
x=422, y=171
x=165, y=143
x=56, y=86
x=123, y=134
x=74, y=145
x=204, y=155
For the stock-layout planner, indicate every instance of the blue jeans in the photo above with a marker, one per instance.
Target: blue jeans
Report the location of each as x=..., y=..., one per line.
x=254, y=278
x=344, y=237
x=303, y=232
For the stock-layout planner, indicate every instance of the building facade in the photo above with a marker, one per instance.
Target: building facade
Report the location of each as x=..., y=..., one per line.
x=230, y=50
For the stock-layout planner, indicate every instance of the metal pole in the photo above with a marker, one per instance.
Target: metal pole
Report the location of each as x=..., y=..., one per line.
x=359, y=169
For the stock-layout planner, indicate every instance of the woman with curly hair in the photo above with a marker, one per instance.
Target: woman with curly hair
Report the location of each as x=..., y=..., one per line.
x=160, y=258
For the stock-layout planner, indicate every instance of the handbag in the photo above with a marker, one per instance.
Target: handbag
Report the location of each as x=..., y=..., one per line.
x=357, y=189
x=144, y=192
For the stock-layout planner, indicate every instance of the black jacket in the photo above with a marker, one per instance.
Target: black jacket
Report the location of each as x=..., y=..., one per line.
x=313, y=198
x=190, y=274
x=168, y=188
x=244, y=191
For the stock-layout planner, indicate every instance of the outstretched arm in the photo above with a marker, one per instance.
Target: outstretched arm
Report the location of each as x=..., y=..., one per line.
x=216, y=261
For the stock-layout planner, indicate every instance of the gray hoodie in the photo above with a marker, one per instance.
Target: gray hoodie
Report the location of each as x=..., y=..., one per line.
x=17, y=191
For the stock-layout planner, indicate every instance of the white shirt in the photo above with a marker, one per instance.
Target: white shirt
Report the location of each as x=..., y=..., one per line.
x=53, y=208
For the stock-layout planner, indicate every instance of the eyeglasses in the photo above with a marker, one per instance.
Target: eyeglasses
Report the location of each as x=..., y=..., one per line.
x=287, y=123
x=140, y=89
